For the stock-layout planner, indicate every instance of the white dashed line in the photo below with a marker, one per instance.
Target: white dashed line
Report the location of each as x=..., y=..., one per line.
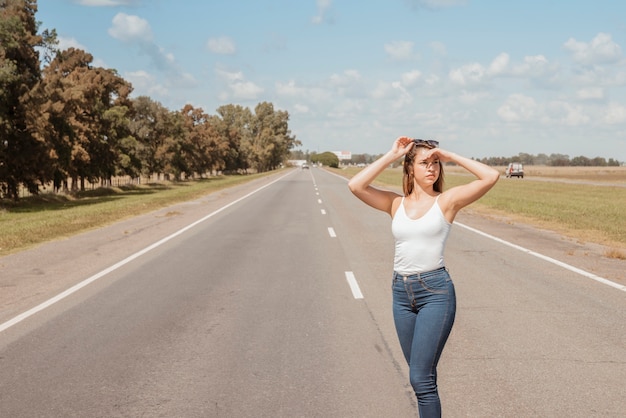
x=354, y=286
x=331, y=232
x=323, y=212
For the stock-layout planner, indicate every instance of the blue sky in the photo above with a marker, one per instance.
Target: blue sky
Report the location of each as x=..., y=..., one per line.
x=485, y=78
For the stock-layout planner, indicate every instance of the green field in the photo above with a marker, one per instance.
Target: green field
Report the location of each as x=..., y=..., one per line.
x=583, y=211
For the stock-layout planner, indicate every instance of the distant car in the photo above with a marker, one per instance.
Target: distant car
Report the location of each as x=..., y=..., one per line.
x=305, y=166
x=515, y=170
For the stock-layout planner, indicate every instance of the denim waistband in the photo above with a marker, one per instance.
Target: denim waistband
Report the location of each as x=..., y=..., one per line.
x=422, y=274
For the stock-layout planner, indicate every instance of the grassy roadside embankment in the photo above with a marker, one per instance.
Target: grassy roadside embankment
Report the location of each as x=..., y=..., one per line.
x=37, y=219
x=563, y=201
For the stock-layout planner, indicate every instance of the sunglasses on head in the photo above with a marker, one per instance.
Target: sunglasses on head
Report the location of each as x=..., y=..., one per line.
x=429, y=142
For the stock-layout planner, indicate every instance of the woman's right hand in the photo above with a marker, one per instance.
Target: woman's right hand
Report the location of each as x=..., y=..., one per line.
x=402, y=145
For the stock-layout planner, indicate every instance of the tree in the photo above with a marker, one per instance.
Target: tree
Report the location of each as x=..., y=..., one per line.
x=24, y=156
x=205, y=150
x=233, y=126
x=150, y=124
x=87, y=108
x=271, y=137
x=326, y=158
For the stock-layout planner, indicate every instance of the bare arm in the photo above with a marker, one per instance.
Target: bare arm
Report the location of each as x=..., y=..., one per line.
x=360, y=184
x=458, y=197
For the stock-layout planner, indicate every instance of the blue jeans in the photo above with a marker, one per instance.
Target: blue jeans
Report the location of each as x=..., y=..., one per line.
x=424, y=306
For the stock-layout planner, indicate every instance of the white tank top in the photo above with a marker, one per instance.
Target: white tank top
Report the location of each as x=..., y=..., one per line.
x=419, y=243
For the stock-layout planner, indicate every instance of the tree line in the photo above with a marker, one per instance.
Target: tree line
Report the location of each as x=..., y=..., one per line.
x=553, y=160
x=64, y=121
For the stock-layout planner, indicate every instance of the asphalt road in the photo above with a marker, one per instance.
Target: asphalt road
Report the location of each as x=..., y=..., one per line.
x=248, y=313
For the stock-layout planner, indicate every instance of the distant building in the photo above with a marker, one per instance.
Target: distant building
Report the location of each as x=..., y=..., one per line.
x=343, y=155
x=297, y=163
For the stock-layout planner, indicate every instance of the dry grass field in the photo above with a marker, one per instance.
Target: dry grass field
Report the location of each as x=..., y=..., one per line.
x=584, y=203
x=588, y=174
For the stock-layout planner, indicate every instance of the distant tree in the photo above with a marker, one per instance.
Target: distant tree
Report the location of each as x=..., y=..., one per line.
x=559, y=160
x=542, y=159
x=327, y=158
x=598, y=162
x=299, y=155
x=580, y=161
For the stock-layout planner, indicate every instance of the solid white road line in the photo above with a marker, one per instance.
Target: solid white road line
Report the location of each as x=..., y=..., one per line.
x=548, y=259
x=354, y=286
x=4, y=326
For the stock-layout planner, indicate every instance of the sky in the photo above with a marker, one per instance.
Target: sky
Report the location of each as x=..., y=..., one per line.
x=486, y=78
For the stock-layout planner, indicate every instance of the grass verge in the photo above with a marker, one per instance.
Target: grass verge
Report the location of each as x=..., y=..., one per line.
x=588, y=213
x=46, y=217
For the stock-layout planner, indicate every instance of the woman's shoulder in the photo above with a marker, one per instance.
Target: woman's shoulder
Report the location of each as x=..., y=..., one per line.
x=396, y=201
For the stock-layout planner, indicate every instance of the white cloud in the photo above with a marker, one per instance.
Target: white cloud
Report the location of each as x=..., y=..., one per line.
x=300, y=108
x=222, y=45
x=136, y=31
x=565, y=114
x=499, y=65
x=472, y=98
x=400, y=50
x=534, y=66
x=107, y=3
x=314, y=94
x=468, y=75
x=238, y=87
x=600, y=50
x=439, y=48
x=128, y=28
x=517, y=108
x=290, y=89
x=322, y=9
x=435, y=4
x=347, y=78
x=66, y=43
x=615, y=114
x=590, y=93
x=145, y=84
x=411, y=78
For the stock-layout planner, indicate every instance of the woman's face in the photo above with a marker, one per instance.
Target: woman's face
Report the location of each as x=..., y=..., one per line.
x=425, y=170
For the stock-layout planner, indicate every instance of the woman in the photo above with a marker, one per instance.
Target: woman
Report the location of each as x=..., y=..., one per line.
x=424, y=302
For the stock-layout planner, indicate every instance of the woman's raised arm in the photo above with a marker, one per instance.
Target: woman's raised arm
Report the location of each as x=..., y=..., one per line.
x=360, y=183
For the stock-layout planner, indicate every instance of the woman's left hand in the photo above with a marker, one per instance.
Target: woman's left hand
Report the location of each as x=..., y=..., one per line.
x=443, y=155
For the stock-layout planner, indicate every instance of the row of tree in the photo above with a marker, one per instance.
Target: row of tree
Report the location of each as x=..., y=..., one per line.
x=554, y=160
x=64, y=121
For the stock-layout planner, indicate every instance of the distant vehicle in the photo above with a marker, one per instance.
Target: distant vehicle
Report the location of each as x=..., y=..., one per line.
x=515, y=170
x=305, y=166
